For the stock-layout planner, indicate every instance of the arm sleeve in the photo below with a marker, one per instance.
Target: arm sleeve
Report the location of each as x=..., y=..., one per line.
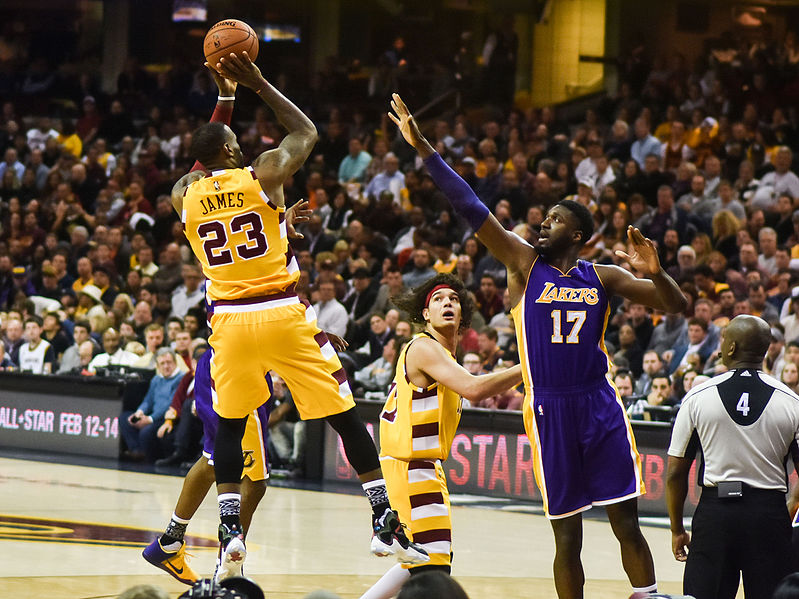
x=458, y=192
x=222, y=114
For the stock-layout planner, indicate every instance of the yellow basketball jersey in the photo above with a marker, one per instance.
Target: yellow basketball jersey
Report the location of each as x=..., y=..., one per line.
x=238, y=235
x=418, y=423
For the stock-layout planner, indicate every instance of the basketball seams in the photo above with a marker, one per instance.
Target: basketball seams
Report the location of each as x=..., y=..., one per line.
x=249, y=38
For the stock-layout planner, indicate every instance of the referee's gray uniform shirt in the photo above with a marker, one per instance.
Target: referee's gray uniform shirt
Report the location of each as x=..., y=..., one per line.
x=744, y=436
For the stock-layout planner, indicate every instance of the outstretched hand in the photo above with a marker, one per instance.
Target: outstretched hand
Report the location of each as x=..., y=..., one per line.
x=298, y=213
x=227, y=87
x=406, y=123
x=241, y=69
x=643, y=256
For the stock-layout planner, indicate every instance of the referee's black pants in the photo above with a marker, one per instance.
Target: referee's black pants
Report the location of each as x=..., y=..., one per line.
x=750, y=535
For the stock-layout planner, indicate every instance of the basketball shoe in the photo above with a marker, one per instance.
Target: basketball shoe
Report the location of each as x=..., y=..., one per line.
x=171, y=562
x=232, y=552
x=388, y=538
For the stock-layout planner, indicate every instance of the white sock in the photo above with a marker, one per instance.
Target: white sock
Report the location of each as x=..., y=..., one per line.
x=389, y=585
x=641, y=592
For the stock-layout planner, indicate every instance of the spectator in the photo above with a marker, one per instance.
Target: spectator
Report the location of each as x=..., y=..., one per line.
x=353, y=168
x=331, y=315
x=5, y=361
x=113, y=354
x=781, y=180
x=190, y=294
x=54, y=334
x=375, y=377
x=645, y=143
x=697, y=341
x=488, y=298
x=154, y=340
x=361, y=297
x=170, y=272
x=286, y=429
x=36, y=356
x=421, y=269
x=624, y=384
x=81, y=333
x=389, y=179
x=13, y=339
x=490, y=352
x=766, y=260
x=758, y=304
x=139, y=429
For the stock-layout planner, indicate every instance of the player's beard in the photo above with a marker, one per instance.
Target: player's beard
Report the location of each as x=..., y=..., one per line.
x=239, y=158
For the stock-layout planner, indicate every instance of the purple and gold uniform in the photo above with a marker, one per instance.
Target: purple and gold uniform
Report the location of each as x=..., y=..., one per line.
x=259, y=324
x=417, y=426
x=583, y=446
x=254, y=442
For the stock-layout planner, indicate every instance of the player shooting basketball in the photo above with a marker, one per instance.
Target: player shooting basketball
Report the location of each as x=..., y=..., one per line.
x=234, y=220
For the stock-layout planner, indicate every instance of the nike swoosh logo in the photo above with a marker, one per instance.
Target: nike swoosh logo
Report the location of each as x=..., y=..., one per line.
x=174, y=569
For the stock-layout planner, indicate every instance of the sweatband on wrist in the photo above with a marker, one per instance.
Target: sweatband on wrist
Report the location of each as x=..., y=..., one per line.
x=458, y=192
x=225, y=98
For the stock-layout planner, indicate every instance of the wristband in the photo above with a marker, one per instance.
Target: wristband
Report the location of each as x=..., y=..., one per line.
x=225, y=98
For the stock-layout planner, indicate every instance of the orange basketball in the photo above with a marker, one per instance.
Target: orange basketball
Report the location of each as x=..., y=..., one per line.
x=230, y=35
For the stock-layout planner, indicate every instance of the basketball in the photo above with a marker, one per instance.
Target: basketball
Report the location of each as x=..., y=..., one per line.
x=230, y=35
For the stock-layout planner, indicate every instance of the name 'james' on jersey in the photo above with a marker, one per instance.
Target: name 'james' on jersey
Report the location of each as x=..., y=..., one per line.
x=239, y=235
x=560, y=323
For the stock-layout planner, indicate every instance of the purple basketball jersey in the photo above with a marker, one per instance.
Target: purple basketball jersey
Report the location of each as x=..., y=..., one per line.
x=564, y=318
x=205, y=408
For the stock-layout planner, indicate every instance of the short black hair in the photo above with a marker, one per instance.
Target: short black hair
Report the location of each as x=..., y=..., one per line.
x=413, y=302
x=584, y=218
x=206, y=142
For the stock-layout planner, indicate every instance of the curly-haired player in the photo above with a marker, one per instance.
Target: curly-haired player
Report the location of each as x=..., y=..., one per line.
x=420, y=417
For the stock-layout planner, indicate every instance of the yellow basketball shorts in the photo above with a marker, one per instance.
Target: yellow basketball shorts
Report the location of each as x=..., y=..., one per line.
x=417, y=489
x=251, y=337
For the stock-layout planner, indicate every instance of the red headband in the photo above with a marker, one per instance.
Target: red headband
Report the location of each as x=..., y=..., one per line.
x=433, y=290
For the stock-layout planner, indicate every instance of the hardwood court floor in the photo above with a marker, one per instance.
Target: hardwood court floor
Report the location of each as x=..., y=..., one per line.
x=299, y=541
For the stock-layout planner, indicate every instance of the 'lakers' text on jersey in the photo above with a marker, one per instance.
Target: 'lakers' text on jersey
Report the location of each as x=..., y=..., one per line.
x=418, y=423
x=239, y=236
x=560, y=323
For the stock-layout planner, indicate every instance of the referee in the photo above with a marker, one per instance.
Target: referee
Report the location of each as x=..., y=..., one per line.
x=745, y=423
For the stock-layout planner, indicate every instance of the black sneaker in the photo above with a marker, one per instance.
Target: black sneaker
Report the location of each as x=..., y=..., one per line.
x=232, y=552
x=388, y=538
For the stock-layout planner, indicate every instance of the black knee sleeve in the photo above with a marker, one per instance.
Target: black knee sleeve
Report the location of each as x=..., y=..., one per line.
x=228, y=459
x=358, y=445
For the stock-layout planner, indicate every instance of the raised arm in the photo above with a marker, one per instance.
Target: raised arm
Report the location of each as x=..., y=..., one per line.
x=516, y=254
x=431, y=359
x=223, y=112
x=658, y=291
x=274, y=166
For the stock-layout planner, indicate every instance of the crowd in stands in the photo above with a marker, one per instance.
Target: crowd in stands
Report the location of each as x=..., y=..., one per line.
x=95, y=270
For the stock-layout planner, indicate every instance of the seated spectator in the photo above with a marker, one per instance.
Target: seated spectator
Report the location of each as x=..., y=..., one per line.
x=190, y=294
x=624, y=384
x=153, y=340
x=5, y=361
x=331, y=315
x=697, y=341
x=36, y=356
x=660, y=395
x=630, y=349
x=286, y=429
x=183, y=350
x=81, y=333
x=421, y=269
x=188, y=433
x=112, y=354
x=790, y=376
x=375, y=378
x=488, y=297
x=791, y=322
x=759, y=305
x=139, y=429
x=54, y=334
x=13, y=339
x=490, y=352
x=86, y=352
